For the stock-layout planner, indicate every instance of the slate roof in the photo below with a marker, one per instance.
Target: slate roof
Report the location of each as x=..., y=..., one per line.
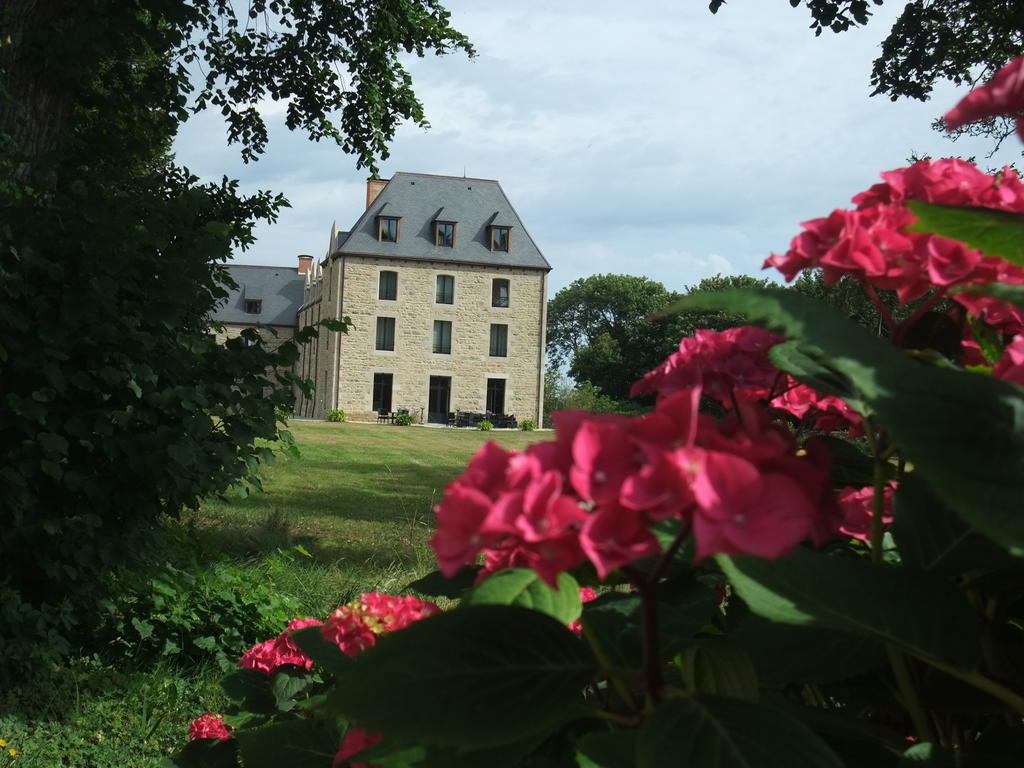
x=280, y=289
x=420, y=199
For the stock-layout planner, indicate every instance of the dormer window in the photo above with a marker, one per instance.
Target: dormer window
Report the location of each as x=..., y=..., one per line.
x=387, y=229
x=253, y=306
x=500, y=237
x=444, y=234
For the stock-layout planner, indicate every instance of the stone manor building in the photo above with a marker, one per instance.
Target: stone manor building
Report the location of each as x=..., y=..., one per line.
x=447, y=294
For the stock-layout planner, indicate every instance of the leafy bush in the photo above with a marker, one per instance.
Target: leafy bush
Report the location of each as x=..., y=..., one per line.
x=527, y=425
x=404, y=419
x=796, y=600
x=485, y=426
x=336, y=415
x=213, y=613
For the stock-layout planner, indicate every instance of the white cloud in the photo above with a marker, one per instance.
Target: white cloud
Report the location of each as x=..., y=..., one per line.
x=664, y=142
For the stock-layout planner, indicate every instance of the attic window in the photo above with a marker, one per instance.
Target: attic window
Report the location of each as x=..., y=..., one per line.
x=387, y=229
x=253, y=306
x=444, y=234
x=500, y=237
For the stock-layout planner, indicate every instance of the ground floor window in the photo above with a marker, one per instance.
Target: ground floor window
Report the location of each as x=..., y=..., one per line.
x=496, y=395
x=382, y=391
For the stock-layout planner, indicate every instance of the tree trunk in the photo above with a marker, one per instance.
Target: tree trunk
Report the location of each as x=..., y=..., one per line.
x=38, y=80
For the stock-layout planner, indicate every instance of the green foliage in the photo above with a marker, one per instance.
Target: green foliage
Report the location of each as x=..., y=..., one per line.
x=522, y=586
x=997, y=233
x=404, y=420
x=337, y=416
x=485, y=426
x=527, y=425
x=210, y=613
x=117, y=404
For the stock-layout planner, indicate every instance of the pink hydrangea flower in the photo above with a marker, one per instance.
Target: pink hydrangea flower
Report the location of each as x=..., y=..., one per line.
x=594, y=492
x=267, y=656
x=858, y=510
x=1002, y=95
x=871, y=243
x=1011, y=364
x=388, y=613
x=356, y=740
x=209, y=726
x=348, y=631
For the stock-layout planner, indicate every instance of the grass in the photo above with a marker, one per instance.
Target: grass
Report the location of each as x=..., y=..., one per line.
x=358, y=501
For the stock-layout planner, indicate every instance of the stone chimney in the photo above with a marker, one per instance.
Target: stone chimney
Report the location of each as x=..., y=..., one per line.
x=305, y=262
x=373, y=188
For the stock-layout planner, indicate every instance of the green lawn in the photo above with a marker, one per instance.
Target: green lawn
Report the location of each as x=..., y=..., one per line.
x=358, y=501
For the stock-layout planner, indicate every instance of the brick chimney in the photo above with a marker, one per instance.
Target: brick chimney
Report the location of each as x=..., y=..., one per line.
x=373, y=188
x=305, y=262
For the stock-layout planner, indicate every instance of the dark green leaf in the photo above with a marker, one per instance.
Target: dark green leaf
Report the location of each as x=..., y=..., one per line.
x=792, y=358
x=727, y=733
x=850, y=465
x=927, y=756
x=616, y=620
x=437, y=585
x=905, y=606
x=294, y=743
x=1009, y=292
x=522, y=586
x=616, y=749
x=784, y=654
x=963, y=432
x=996, y=233
x=326, y=656
x=285, y=684
x=474, y=677
x=721, y=668
x=930, y=537
x=250, y=691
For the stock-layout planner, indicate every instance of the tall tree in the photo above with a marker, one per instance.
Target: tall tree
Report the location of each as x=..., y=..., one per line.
x=115, y=403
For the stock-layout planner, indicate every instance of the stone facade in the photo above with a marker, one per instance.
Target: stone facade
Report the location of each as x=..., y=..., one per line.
x=347, y=283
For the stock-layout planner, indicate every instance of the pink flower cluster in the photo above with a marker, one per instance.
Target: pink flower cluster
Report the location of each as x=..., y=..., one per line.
x=872, y=244
x=355, y=741
x=1011, y=364
x=857, y=508
x=1002, y=95
x=354, y=627
x=267, y=656
x=209, y=726
x=733, y=365
x=594, y=493
x=728, y=364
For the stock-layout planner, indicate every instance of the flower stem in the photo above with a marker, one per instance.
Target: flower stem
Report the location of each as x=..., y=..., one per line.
x=606, y=665
x=900, y=670
x=996, y=690
x=882, y=309
x=652, y=650
x=897, y=335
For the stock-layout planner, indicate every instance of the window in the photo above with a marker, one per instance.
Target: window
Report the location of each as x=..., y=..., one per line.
x=386, y=333
x=496, y=396
x=499, y=340
x=382, y=391
x=253, y=306
x=499, y=292
x=499, y=238
x=443, y=337
x=445, y=289
x=388, y=286
x=444, y=234
x=387, y=229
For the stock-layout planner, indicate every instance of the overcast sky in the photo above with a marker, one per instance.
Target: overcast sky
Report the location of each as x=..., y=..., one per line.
x=650, y=139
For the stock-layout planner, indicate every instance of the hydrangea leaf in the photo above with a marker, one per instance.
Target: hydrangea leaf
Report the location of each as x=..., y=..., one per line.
x=522, y=586
x=913, y=609
x=475, y=677
x=728, y=733
x=994, y=232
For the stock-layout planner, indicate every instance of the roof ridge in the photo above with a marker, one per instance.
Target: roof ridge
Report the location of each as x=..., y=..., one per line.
x=441, y=176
